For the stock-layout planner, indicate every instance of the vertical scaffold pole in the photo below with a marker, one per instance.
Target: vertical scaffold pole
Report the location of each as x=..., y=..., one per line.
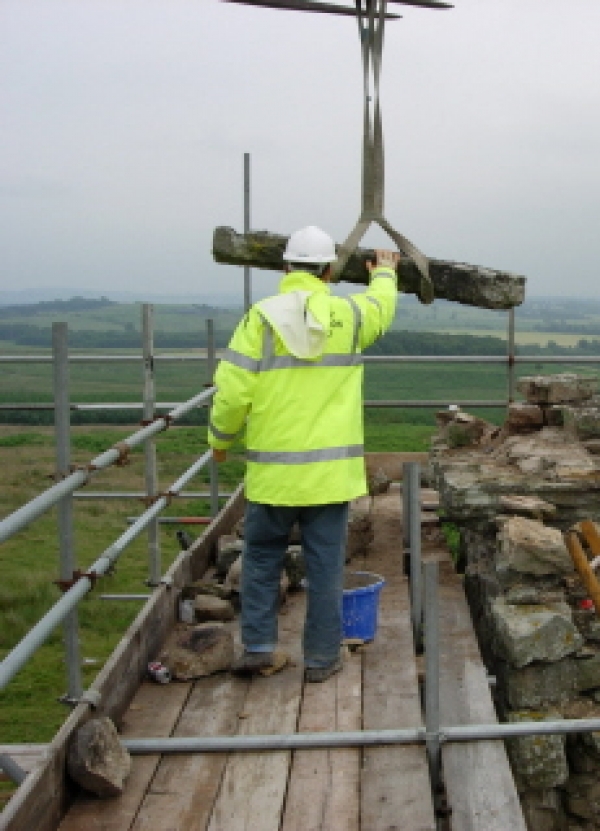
x=211, y=366
x=150, y=465
x=432, y=671
x=414, y=525
x=511, y=355
x=247, y=273
x=405, y=522
x=62, y=431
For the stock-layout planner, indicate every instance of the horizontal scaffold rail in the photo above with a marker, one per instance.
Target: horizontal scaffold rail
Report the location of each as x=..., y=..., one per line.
x=46, y=500
x=19, y=656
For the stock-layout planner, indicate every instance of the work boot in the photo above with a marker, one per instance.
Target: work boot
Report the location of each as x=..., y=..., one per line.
x=315, y=675
x=250, y=663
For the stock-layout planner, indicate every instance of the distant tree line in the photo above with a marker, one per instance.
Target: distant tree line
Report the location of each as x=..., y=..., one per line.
x=75, y=304
x=393, y=343
x=25, y=334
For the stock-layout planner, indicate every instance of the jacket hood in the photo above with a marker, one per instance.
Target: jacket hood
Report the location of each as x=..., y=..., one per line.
x=300, y=316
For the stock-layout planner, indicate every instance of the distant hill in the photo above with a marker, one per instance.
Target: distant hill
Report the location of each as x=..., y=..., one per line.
x=27, y=297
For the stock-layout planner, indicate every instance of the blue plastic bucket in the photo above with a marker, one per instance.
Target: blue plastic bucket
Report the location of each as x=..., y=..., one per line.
x=360, y=604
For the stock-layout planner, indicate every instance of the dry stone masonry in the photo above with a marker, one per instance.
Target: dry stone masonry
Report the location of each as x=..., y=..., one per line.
x=512, y=492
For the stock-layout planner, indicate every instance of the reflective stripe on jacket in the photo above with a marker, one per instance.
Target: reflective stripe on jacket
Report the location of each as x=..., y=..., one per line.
x=303, y=415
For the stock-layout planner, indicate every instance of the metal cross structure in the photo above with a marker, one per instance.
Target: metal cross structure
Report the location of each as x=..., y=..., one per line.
x=371, y=16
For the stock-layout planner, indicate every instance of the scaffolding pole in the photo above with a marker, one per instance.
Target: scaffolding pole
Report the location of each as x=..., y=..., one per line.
x=150, y=464
x=68, y=565
x=36, y=636
x=20, y=518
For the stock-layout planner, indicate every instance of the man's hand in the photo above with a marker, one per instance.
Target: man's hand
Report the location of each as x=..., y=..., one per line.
x=219, y=455
x=389, y=259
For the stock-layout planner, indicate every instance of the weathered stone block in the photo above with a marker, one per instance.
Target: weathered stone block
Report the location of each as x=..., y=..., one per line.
x=97, y=760
x=523, y=418
x=588, y=673
x=538, y=762
x=460, y=282
x=229, y=548
x=584, y=422
x=583, y=796
x=198, y=652
x=464, y=430
x=538, y=684
x=524, y=634
x=527, y=546
x=234, y=576
x=295, y=566
x=208, y=607
x=543, y=810
x=529, y=506
x=557, y=389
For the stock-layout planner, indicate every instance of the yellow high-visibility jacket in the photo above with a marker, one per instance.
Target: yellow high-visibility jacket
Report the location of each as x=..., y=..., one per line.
x=292, y=375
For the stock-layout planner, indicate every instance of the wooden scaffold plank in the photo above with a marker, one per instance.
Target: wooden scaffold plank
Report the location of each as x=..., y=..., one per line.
x=254, y=784
x=323, y=794
x=479, y=783
x=396, y=791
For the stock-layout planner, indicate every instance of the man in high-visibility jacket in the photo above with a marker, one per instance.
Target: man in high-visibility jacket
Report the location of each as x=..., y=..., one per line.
x=292, y=376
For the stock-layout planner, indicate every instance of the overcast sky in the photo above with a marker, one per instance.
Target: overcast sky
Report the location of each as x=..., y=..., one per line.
x=123, y=127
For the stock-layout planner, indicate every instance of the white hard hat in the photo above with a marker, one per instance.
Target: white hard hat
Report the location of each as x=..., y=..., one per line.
x=310, y=245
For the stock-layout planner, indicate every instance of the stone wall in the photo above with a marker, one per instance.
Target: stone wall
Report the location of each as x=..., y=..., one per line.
x=513, y=491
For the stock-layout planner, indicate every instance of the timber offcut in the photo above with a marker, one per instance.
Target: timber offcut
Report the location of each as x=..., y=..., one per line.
x=471, y=285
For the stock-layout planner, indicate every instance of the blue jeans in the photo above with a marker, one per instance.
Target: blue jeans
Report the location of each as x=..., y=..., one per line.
x=267, y=529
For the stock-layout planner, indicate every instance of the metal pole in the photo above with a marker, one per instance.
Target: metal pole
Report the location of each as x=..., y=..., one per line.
x=12, y=769
x=211, y=360
x=405, y=522
x=150, y=466
x=432, y=672
x=289, y=741
x=511, y=355
x=36, y=636
x=247, y=272
x=37, y=506
x=414, y=521
x=62, y=432
x=142, y=495
x=358, y=738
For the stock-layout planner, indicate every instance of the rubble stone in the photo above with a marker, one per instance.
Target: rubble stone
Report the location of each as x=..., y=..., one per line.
x=229, y=548
x=588, y=673
x=199, y=651
x=523, y=418
x=377, y=481
x=543, y=810
x=295, y=566
x=530, y=506
x=583, y=796
x=97, y=760
x=207, y=607
x=538, y=684
x=538, y=762
x=557, y=389
x=528, y=546
x=524, y=634
x=583, y=421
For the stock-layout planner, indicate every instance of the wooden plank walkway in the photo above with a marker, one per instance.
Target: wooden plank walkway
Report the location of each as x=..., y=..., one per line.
x=479, y=783
x=336, y=789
